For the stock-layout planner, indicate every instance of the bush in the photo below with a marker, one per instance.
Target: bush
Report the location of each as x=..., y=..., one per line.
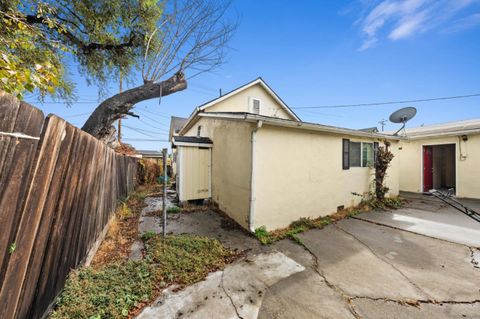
x=148, y=172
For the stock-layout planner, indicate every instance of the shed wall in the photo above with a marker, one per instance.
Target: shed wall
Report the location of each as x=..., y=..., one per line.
x=231, y=165
x=194, y=180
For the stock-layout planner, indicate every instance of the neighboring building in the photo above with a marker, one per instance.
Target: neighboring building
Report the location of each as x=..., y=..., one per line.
x=268, y=168
x=441, y=157
x=176, y=124
x=152, y=155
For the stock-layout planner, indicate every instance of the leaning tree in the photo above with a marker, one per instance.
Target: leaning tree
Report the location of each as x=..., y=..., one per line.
x=166, y=42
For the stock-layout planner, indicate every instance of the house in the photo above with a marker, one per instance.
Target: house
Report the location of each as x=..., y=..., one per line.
x=176, y=124
x=155, y=156
x=443, y=156
x=263, y=166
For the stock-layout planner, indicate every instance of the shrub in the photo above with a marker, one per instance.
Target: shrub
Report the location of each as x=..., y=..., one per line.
x=173, y=210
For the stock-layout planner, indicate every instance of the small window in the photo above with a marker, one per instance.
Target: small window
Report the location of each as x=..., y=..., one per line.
x=367, y=154
x=199, y=130
x=355, y=154
x=256, y=106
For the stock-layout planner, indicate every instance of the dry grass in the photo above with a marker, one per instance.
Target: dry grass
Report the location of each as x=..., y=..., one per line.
x=123, y=230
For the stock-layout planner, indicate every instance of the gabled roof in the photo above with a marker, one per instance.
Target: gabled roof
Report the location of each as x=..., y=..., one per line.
x=176, y=124
x=259, y=81
x=263, y=84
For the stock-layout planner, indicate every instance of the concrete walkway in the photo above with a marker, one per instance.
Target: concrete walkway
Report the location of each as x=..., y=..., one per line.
x=428, y=216
x=235, y=292
x=352, y=269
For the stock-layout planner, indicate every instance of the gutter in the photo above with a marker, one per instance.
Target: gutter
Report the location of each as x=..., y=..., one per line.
x=251, y=215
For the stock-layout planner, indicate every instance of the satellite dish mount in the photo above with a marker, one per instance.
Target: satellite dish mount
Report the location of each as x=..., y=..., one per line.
x=402, y=116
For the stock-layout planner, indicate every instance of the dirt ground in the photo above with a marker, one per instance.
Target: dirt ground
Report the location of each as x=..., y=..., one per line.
x=356, y=269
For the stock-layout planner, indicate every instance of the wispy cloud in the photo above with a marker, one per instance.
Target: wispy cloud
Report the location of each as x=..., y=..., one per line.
x=400, y=19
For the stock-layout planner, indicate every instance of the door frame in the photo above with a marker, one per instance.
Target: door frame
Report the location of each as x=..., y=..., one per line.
x=456, y=162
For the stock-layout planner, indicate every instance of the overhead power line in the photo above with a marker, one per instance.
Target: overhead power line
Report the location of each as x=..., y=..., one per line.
x=145, y=140
x=389, y=103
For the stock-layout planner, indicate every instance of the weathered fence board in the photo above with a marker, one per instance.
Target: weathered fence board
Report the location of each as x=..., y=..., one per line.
x=58, y=188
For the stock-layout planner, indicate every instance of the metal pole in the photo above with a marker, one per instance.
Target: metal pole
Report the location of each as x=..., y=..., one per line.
x=164, y=153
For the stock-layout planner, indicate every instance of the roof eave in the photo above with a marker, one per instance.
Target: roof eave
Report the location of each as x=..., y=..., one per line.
x=302, y=125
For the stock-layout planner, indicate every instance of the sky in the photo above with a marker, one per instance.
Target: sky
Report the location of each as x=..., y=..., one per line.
x=327, y=53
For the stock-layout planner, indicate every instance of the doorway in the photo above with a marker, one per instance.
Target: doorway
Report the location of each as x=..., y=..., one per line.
x=439, y=167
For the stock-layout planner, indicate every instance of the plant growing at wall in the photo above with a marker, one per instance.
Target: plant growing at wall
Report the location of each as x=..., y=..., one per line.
x=382, y=162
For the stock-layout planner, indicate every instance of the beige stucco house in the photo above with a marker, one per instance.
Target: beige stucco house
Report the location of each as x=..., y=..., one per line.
x=263, y=166
x=444, y=156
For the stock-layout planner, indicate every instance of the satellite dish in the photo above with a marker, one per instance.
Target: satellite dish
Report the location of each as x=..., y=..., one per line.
x=402, y=116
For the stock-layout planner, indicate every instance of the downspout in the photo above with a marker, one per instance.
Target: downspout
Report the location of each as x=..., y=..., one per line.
x=251, y=216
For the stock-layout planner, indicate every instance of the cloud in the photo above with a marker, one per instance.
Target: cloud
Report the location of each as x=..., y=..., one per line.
x=462, y=24
x=400, y=19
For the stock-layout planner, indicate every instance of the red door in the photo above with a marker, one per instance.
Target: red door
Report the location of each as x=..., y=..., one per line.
x=427, y=168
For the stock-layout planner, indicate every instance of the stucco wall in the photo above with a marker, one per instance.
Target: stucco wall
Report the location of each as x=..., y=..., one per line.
x=467, y=164
x=231, y=165
x=240, y=102
x=299, y=174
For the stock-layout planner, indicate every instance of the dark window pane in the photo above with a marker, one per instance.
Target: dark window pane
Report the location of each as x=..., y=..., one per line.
x=355, y=154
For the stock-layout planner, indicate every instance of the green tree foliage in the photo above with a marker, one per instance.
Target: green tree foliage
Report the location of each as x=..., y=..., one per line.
x=38, y=37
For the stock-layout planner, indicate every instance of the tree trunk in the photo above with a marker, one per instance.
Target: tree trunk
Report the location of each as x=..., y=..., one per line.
x=100, y=123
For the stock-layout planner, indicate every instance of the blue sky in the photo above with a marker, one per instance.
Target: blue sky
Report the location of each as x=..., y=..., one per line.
x=316, y=53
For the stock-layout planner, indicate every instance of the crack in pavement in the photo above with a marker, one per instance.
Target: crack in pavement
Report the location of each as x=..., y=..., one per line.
x=415, y=302
x=332, y=286
x=229, y=297
x=474, y=255
x=385, y=261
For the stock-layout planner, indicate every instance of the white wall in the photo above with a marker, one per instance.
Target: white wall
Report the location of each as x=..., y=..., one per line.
x=299, y=174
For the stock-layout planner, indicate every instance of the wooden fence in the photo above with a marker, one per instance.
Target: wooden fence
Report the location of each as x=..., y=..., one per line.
x=59, y=186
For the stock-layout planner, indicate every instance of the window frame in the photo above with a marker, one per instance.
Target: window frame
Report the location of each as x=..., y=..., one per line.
x=374, y=146
x=252, y=104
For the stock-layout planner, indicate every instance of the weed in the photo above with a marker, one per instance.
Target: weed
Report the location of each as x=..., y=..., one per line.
x=148, y=235
x=263, y=235
x=120, y=289
x=173, y=210
x=12, y=248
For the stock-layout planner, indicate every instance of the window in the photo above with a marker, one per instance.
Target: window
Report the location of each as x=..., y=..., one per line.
x=367, y=154
x=358, y=154
x=199, y=130
x=256, y=106
x=355, y=155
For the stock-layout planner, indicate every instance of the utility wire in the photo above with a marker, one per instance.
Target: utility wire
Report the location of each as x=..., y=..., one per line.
x=144, y=140
x=143, y=130
x=153, y=120
x=139, y=131
x=388, y=103
x=77, y=115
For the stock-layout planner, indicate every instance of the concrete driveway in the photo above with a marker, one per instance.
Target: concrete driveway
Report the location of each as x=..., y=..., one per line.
x=357, y=268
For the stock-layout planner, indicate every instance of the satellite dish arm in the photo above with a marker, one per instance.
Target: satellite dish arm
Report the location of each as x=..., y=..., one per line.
x=403, y=126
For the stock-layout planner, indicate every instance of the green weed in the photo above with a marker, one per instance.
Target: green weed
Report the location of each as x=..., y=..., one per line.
x=117, y=290
x=173, y=210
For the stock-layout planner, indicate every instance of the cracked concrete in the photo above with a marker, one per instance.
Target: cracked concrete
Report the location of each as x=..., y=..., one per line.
x=353, y=269
x=235, y=292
